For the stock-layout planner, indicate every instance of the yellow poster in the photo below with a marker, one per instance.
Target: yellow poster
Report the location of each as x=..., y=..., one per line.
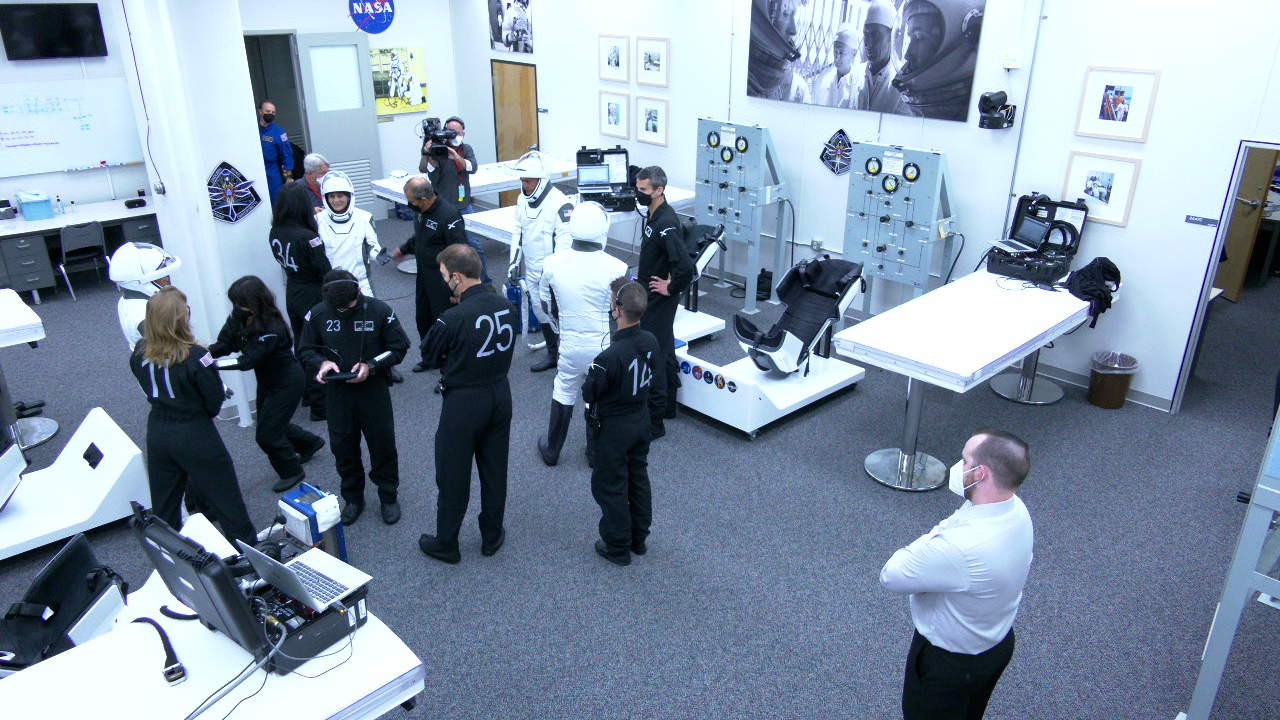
x=399, y=80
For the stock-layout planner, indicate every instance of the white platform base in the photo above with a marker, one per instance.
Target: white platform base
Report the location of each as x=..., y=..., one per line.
x=70, y=496
x=747, y=398
x=690, y=326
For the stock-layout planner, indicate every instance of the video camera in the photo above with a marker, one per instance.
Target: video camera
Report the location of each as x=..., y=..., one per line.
x=435, y=131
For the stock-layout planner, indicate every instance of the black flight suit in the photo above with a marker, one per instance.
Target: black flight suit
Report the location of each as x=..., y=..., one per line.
x=473, y=342
x=268, y=352
x=618, y=389
x=368, y=333
x=433, y=231
x=662, y=253
x=300, y=253
x=184, y=450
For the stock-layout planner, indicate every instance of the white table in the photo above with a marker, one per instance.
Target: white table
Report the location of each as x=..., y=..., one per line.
x=111, y=211
x=488, y=178
x=957, y=337
x=118, y=673
x=20, y=324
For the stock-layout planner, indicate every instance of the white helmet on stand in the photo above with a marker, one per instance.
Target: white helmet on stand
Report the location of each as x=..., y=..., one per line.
x=137, y=266
x=336, y=181
x=590, y=223
x=531, y=165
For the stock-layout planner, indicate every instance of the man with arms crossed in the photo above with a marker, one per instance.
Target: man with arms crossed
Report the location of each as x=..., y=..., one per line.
x=965, y=579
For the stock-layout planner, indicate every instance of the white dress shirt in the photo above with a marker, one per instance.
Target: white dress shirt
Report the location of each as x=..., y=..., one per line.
x=965, y=576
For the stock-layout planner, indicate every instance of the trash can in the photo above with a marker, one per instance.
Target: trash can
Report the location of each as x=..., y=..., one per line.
x=1109, y=378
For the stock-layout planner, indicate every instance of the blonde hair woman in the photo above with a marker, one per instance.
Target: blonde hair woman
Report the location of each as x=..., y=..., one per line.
x=185, y=453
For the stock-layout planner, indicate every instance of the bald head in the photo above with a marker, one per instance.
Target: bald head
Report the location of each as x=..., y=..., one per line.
x=419, y=192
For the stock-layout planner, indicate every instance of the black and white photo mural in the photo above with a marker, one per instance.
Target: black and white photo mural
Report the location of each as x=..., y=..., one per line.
x=905, y=57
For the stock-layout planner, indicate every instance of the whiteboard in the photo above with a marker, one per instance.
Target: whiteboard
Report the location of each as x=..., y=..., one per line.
x=66, y=125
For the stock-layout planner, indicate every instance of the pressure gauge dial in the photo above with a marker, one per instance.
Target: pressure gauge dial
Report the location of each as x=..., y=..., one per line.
x=741, y=144
x=713, y=139
x=911, y=172
x=726, y=154
x=890, y=183
x=873, y=166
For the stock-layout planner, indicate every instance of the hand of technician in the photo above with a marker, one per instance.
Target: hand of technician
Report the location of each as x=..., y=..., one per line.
x=362, y=373
x=326, y=367
x=396, y=254
x=661, y=285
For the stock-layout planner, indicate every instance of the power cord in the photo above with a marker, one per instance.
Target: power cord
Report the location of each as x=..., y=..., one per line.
x=243, y=675
x=957, y=259
x=146, y=115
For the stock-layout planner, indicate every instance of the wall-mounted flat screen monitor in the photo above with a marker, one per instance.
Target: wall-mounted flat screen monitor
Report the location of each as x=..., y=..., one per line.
x=54, y=30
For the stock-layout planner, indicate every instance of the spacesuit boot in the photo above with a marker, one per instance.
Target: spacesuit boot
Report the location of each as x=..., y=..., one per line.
x=553, y=350
x=557, y=430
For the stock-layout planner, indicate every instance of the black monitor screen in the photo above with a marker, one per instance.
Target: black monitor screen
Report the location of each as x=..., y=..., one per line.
x=59, y=30
x=199, y=580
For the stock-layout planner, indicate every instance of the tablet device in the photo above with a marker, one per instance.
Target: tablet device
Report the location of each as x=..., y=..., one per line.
x=340, y=376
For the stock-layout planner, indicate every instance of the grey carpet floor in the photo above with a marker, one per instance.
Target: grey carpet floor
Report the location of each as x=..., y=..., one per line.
x=759, y=597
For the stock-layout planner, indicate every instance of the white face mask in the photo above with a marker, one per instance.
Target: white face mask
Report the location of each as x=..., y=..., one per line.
x=456, y=142
x=955, y=480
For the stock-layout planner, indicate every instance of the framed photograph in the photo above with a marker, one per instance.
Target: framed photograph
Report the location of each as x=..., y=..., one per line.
x=651, y=120
x=1117, y=103
x=510, y=26
x=1106, y=182
x=615, y=58
x=614, y=115
x=653, y=61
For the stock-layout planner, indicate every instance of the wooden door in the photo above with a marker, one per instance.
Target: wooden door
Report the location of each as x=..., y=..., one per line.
x=1245, y=216
x=515, y=113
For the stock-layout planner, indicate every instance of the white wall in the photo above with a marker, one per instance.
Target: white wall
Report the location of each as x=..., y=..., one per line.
x=422, y=23
x=83, y=186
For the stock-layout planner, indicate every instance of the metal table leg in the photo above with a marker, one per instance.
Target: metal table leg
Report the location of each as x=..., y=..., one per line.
x=33, y=431
x=903, y=468
x=1021, y=387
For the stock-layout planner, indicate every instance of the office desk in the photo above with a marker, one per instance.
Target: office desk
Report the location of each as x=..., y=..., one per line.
x=500, y=223
x=118, y=674
x=957, y=337
x=488, y=178
x=25, y=245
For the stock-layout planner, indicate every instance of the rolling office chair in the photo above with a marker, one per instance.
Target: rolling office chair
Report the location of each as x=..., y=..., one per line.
x=74, y=599
x=82, y=245
x=816, y=292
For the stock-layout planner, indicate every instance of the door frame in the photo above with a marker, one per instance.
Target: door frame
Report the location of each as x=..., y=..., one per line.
x=299, y=97
x=1211, y=269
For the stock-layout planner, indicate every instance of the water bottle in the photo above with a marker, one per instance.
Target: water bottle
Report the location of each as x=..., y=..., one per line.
x=73, y=207
x=58, y=210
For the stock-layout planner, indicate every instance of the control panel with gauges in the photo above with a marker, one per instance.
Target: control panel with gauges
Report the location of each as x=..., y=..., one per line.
x=899, y=215
x=738, y=177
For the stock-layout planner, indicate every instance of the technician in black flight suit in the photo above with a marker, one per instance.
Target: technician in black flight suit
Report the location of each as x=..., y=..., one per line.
x=436, y=225
x=257, y=330
x=666, y=270
x=296, y=244
x=617, y=390
x=184, y=450
x=352, y=333
x=473, y=343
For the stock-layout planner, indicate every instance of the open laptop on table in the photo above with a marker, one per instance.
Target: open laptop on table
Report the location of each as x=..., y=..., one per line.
x=315, y=578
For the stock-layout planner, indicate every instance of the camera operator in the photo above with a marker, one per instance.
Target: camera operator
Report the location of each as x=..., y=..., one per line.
x=449, y=163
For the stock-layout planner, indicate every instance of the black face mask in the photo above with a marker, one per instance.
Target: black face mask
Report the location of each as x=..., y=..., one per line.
x=643, y=199
x=240, y=314
x=268, y=117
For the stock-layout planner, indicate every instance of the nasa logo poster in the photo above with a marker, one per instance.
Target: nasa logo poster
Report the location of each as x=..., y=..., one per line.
x=231, y=194
x=902, y=57
x=372, y=17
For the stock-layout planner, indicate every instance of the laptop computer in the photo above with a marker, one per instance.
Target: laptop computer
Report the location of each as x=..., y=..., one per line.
x=593, y=178
x=1028, y=236
x=315, y=578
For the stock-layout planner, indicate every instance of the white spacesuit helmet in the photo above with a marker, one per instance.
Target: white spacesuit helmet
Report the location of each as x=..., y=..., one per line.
x=336, y=181
x=590, y=223
x=137, y=266
x=531, y=165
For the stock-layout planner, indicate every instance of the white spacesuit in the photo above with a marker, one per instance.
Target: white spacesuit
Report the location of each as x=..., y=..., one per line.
x=542, y=228
x=349, y=239
x=575, y=283
x=140, y=270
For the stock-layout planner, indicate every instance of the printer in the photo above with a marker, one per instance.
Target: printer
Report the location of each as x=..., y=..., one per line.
x=604, y=177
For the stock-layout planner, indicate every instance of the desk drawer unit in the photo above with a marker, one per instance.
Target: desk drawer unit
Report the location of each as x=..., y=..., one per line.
x=26, y=262
x=144, y=229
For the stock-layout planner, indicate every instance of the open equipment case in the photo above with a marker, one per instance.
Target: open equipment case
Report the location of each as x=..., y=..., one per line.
x=1042, y=240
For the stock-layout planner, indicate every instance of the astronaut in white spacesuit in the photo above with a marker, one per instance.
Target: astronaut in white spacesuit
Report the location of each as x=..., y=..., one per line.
x=347, y=231
x=575, y=292
x=140, y=270
x=542, y=228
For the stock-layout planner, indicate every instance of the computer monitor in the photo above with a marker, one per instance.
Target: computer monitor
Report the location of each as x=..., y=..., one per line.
x=200, y=580
x=617, y=162
x=593, y=175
